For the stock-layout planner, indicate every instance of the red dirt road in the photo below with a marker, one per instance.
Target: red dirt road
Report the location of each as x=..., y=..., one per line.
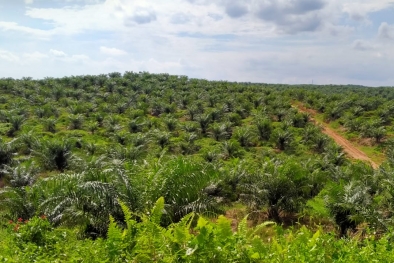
x=348, y=147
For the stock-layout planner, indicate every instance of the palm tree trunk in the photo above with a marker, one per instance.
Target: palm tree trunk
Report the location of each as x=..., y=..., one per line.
x=273, y=214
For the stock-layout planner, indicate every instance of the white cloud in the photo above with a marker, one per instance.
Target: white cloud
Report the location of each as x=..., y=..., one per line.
x=35, y=56
x=57, y=53
x=112, y=51
x=363, y=45
x=8, y=56
x=142, y=15
x=13, y=26
x=359, y=9
x=213, y=39
x=29, y=2
x=386, y=31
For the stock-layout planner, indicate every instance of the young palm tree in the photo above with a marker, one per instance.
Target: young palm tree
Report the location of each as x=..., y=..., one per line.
x=49, y=125
x=283, y=139
x=378, y=133
x=264, y=129
x=19, y=202
x=21, y=176
x=187, y=144
x=16, y=122
x=211, y=156
x=230, y=149
x=84, y=200
x=54, y=154
x=76, y=122
x=162, y=138
x=191, y=127
x=7, y=151
x=26, y=142
x=171, y=123
x=278, y=187
x=244, y=136
x=347, y=204
x=135, y=125
x=93, y=126
x=320, y=141
x=310, y=132
x=181, y=181
x=204, y=120
x=218, y=131
x=334, y=155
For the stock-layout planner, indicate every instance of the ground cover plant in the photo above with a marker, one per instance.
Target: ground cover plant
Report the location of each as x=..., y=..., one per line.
x=155, y=167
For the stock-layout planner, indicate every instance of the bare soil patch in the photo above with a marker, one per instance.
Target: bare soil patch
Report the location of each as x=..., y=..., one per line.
x=351, y=150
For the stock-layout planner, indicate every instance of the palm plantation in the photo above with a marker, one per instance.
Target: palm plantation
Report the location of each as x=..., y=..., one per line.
x=155, y=153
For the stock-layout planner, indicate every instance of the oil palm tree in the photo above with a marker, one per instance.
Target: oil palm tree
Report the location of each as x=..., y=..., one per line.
x=7, y=151
x=204, y=120
x=49, y=125
x=264, y=129
x=181, y=181
x=283, y=139
x=76, y=121
x=348, y=203
x=244, y=136
x=218, y=131
x=16, y=122
x=278, y=187
x=84, y=200
x=54, y=154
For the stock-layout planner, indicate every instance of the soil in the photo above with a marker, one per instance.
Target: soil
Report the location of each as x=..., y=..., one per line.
x=348, y=147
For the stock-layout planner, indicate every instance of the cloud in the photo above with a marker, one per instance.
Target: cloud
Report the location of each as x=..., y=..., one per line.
x=236, y=9
x=362, y=45
x=61, y=56
x=29, y=2
x=112, y=51
x=8, y=56
x=13, y=26
x=76, y=19
x=57, y=53
x=142, y=15
x=218, y=38
x=292, y=17
x=35, y=56
x=179, y=18
x=386, y=31
x=357, y=16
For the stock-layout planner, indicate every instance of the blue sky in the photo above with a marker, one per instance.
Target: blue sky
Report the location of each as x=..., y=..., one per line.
x=270, y=41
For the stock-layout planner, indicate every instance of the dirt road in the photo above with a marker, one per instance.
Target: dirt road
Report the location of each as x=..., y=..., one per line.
x=348, y=147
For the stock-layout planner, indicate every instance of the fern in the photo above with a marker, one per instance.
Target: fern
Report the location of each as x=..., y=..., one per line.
x=157, y=211
x=223, y=231
x=180, y=232
x=114, y=239
x=243, y=226
x=114, y=232
x=130, y=223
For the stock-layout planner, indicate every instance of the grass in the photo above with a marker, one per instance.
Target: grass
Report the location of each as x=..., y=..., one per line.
x=373, y=153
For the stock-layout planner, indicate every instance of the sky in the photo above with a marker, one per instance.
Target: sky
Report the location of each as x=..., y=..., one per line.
x=269, y=41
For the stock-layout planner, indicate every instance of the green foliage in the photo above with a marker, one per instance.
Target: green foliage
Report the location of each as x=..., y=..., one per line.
x=7, y=151
x=206, y=241
x=36, y=231
x=181, y=181
x=94, y=153
x=278, y=187
x=54, y=154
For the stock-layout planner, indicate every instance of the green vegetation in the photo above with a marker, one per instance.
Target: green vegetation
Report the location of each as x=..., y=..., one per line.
x=147, y=167
x=147, y=241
